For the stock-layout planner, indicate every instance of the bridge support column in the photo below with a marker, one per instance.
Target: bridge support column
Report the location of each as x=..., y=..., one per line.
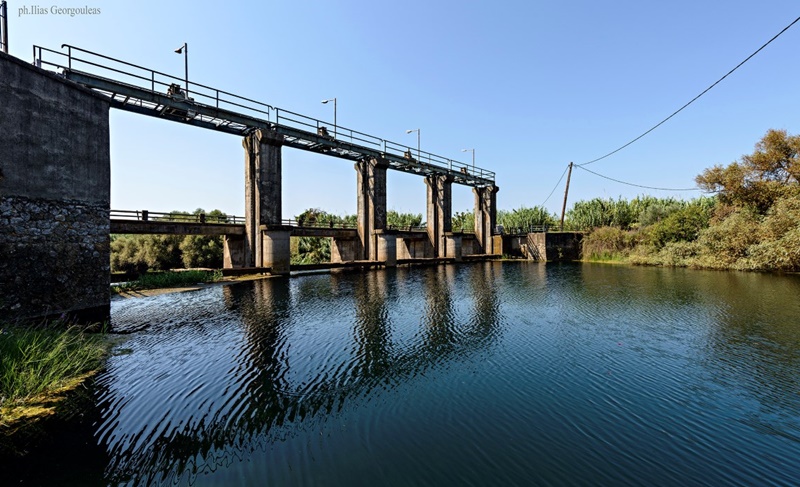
x=387, y=248
x=371, y=204
x=344, y=249
x=485, y=218
x=276, y=253
x=454, y=248
x=262, y=188
x=440, y=202
x=233, y=251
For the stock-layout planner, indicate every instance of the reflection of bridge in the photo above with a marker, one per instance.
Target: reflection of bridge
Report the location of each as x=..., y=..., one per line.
x=405, y=325
x=265, y=241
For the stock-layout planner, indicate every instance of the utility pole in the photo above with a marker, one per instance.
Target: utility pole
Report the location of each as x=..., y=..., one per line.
x=566, y=192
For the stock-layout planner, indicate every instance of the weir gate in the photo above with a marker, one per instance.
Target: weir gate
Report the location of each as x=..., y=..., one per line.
x=265, y=130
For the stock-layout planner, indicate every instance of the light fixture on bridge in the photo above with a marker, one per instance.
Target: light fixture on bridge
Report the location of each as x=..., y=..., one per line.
x=419, y=159
x=325, y=102
x=473, y=158
x=184, y=49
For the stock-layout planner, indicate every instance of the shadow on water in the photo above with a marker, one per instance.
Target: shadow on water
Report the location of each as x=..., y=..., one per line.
x=281, y=353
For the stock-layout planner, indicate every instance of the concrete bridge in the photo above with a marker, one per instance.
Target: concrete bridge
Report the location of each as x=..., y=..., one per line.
x=265, y=130
x=55, y=179
x=345, y=238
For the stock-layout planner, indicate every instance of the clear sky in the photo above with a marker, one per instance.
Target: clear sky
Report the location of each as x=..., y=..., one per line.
x=531, y=85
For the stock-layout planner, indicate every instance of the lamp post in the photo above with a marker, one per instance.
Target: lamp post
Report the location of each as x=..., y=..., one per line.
x=419, y=153
x=184, y=49
x=334, y=114
x=473, y=158
x=4, y=27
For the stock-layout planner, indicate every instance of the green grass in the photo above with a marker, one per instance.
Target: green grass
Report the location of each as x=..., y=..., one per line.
x=35, y=361
x=157, y=280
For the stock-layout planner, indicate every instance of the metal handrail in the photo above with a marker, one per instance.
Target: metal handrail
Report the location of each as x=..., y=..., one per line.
x=273, y=115
x=315, y=224
x=154, y=216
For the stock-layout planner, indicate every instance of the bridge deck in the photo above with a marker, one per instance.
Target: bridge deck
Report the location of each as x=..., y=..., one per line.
x=145, y=91
x=151, y=222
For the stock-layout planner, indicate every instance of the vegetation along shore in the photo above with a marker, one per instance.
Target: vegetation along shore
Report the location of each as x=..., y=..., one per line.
x=750, y=220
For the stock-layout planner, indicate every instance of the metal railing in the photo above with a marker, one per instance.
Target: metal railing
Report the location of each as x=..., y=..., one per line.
x=316, y=224
x=502, y=230
x=147, y=78
x=175, y=217
x=163, y=84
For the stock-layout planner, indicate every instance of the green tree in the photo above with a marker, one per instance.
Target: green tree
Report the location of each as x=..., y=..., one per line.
x=757, y=180
x=395, y=219
x=524, y=219
x=464, y=221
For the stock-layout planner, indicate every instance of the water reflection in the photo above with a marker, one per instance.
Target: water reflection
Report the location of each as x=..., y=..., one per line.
x=255, y=361
x=486, y=373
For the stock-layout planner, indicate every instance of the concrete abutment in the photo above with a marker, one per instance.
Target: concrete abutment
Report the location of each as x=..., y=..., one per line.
x=54, y=197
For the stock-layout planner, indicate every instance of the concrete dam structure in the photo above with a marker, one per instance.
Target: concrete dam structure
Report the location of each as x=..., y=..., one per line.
x=55, y=181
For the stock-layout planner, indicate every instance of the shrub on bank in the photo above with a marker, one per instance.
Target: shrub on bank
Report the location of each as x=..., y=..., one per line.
x=36, y=361
x=156, y=280
x=609, y=243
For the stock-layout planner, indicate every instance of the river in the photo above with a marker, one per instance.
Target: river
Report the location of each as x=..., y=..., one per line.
x=497, y=373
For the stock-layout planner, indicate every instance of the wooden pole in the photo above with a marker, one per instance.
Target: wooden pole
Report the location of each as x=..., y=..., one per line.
x=566, y=192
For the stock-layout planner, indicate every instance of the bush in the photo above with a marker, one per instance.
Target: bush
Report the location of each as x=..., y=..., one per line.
x=37, y=360
x=609, y=243
x=683, y=225
x=723, y=244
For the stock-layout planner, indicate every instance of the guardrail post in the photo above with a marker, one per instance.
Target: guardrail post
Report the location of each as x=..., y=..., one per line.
x=202, y=217
x=145, y=215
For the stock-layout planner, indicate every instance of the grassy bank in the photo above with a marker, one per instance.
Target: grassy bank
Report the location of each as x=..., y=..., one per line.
x=39, y=364
x=155, y=280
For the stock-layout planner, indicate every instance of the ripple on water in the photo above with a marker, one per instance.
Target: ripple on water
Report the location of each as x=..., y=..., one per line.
x=487, y=373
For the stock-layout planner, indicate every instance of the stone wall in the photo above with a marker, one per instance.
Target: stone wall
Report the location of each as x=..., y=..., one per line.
x=54, y=196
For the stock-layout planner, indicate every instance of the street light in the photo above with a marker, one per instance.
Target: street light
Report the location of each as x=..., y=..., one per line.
x=473, y=158
x=324, y=102
x=419, y=158
x=184, y=49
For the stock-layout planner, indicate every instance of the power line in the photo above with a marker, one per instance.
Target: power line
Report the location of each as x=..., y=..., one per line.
x=556, y=186
x=638, y=185
x=693, y=99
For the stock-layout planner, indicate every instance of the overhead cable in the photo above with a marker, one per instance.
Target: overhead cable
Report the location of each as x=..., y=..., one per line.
x=555, y=187
x=695, y=98
x=638, y=185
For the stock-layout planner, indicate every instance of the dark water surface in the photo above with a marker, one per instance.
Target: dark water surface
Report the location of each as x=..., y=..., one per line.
x=481, y=374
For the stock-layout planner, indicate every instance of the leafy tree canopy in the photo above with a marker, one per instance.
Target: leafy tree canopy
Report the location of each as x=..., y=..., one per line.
x=757, y=180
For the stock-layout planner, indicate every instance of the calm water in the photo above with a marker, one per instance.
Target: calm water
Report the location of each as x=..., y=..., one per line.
x=481, y=374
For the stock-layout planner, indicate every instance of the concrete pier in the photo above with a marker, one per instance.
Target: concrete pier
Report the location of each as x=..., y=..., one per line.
x=440, y=202
x=276, y=253
x=371, y=177
x=345, y=249
x=263, y=201
x=485, y=218
x=453, y=243
x=386, y=248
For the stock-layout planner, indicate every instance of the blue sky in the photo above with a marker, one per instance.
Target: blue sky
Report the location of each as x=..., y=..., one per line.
x=531, y=85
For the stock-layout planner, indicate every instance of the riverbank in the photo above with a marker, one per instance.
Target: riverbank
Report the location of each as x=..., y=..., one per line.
x=168, y=279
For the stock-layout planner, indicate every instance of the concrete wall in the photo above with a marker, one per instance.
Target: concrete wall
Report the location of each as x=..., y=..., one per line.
x=345, y=249
x=414, y=248
x=555, y=246
x=54, y=196
x=233, y=251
